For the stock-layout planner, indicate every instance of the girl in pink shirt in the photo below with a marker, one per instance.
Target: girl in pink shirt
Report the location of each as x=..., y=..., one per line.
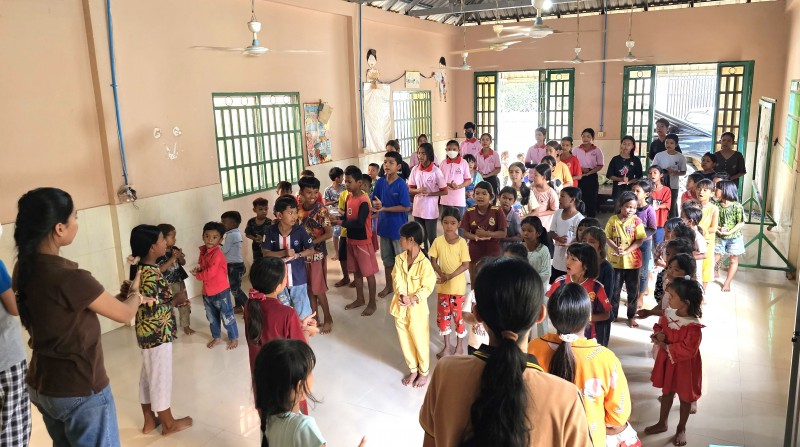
x=457, y=177
x=545, y=195
x=422, y=139
x=592, y=161
x=426, y=184
x=489, y=163
x=536, y=152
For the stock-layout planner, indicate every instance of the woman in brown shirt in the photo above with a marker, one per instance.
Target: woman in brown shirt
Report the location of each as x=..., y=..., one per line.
x=500, y=395
x=58, y=305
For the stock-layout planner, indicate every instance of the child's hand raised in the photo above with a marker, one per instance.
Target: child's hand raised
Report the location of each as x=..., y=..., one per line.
x=195, y=270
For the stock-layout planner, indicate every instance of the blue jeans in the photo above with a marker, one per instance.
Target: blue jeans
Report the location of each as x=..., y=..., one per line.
x=219, y=310
x=235, y=273
x=297, y=298
x=647, y=263
x=658, y=237
x=79, y=421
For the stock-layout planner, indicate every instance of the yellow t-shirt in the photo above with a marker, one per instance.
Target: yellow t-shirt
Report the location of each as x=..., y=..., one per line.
x=599, y=377
x=450, y=257
x=342, y=207
x=561, y=170
x=624, y=234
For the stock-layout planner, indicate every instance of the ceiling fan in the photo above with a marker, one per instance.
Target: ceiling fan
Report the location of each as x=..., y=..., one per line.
x=500, y=43
x=255, y=48
x=630, y=43
x=577, y=59
x=538, y=30
x=465, y=52
x=466, y=67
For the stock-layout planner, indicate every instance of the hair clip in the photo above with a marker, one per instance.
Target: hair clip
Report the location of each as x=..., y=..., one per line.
x=133, y=260
x=687, y=277
x=568, y=338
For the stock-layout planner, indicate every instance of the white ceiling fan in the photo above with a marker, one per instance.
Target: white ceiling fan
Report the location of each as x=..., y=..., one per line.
x=577, y=59
x=630, y=43
x=538, y=30
x=255, y=48
x=500, y=43
x=466, y=67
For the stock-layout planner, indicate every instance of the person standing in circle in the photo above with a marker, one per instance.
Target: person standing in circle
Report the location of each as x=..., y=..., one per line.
x=591, y=161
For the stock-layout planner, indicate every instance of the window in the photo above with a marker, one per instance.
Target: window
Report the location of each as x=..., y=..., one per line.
x=792, y=124
x=258, y=139
x=412, y=117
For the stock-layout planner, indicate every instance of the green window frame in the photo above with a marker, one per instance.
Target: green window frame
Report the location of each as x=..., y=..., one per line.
x=792, y=124
x=258, y=140
x=486, y=103
x=734, y=87
x=412, y=117
x=638, y=106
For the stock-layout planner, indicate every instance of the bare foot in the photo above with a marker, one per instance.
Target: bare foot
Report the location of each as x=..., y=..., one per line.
x=355, y=304
x=335, y=258
x=150, y=425
x=420, y=381
x=327, y=327
x=680, y=438
x=655, y=429
x=693, y=410
x=352, y=285
x=385, y=292
x=233, y=344
x=409, y=379
x=369, y=310
x=726, y=287
x=343, y=282
x=632, y=322
x=213, y=342
x=447, y=350
x=179, y=425
x=188, y=331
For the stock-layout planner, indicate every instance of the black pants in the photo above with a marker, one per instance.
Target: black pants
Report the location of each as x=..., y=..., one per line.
x=673, y=210
x=495, y=182
x=589, y=185
x=429, y=229
x=630, y=277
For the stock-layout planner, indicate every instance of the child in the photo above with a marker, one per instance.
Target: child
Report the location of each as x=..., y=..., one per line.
x=596, y=238
x=313, y=216
x=563, y=227
x=282, y=380
x=594, y=369
x=483, y=226
x=171, y=266
x=372, y=171
x=476, y=178
x=582, y=269
x=414, y=278
x=525, y=203
x=659, y=255
x=450, y=259
x=585, y=224
x=545, y=195
x=287, y=239
x=559, y=169
x=404, y=171
x=336, y=220
x=361, y=260
x=592, y=160
x=516, y=249
x=709, y=223
x=661, y=201
x=674, y=247
x=674, y=163
x=213, y=271
x=539, y=247
x=571, y=161
x=488, y=163
x=232, y=248
x=624, y=169
x=556, y=183
x=265, y=317
x=729, y=234
x=678, y=368
x=513, y=233
x=331, y=198
x=625, y=234
x=415, y=160
x=537, y=151
x=426, y=184
x=391, y=201
x=284, y=188
x=691, y=216
x=680, y=265
x=470, y=145
x=476, y=335
x=15, y=405
x=155, y=331
x=691, y=184
x=708, y=164
x=257, y=226
x=456, y=176
x=367, y=187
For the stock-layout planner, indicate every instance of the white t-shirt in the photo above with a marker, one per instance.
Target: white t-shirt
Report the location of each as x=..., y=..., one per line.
x=293, y=430
x=566, y=228
x=473, y=339
x=666, y=161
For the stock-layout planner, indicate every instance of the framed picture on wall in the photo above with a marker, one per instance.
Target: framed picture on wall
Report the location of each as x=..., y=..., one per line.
x=317, y=135
x=412, y=79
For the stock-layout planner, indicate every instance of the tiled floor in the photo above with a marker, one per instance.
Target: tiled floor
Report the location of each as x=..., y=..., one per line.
x=746, y=356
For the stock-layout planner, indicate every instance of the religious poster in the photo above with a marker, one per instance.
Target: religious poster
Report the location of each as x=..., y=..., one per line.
x=317, y=135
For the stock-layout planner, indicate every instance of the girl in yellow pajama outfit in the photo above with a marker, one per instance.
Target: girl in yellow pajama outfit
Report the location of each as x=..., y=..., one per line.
x=413, y=278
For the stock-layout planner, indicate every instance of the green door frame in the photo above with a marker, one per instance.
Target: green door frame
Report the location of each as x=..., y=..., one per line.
x=636, y=76
x=742, y=106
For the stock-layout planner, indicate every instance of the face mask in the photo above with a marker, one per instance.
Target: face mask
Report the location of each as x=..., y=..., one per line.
x=452, y=154
x=469, y=134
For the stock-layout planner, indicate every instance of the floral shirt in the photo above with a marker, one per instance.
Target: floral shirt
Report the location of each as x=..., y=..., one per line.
x=315, y=221
x=155, y=322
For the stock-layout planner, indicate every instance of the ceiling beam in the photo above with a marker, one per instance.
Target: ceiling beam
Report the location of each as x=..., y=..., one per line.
x=388, y=5
x=477, y=7
x=411, y=6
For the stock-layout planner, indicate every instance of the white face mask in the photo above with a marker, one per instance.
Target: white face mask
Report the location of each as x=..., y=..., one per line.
x=452, y=154
x=1, y=231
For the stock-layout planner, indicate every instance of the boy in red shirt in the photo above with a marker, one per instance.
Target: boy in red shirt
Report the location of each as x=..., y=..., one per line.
x=361, y=259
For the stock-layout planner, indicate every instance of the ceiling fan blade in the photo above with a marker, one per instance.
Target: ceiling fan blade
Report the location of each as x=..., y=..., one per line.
x=504, y=38
x=603, y=60
x=560, y=62
x=297, y=51
x=201, y=47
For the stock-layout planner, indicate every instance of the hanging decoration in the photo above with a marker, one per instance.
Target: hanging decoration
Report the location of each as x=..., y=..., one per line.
x=317, y=133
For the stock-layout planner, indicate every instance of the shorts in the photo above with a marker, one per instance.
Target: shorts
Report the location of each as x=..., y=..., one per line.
x=731, y=247
x=361, y=259
x=390, y=248
x=317, y=272
x=337, y=230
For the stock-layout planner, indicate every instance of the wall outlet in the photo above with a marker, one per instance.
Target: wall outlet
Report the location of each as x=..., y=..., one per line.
x=601, y=134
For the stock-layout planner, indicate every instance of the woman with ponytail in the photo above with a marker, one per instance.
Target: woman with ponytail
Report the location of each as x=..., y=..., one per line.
x=58, y=306
x=155, y=332
x=594, y=369
x=500, y=395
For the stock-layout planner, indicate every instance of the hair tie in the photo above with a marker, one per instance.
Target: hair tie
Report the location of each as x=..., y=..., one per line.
x=133, y=260
x=511, y=335
x=255, y=295
x=687, y=277
x=568, y=338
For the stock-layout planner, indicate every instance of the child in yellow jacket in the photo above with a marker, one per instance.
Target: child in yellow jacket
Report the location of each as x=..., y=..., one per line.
x=413, y=278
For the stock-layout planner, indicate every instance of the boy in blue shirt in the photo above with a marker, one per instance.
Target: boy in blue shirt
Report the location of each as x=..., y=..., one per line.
x=232, y=249
x=390, y=199
x=288, y=239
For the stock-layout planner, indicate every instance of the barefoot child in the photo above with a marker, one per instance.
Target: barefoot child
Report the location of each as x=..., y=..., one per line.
x=680, y=265
x=331, y=198
x=596, y=238
x=626, y=234
x=257, y=226
x=361, y=260
x=391, y=202
x=232, y=248
x=213, y=271
x=644, y=210
x=594, y=369
x=426, y=184
x=691, y=214
x=674, y=163
x=678, y=368
x=171, y=266
x=662, y=201
x=155, y=331
x=709, y=223
x=483, y=226
x=288, y=240
x=414, y=279
x=450, y=259
x=729, y=234
x=514, y=231
x=564, y=226
x=315, y=219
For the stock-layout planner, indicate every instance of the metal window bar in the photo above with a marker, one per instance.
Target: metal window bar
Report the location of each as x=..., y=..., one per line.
x=412, y=117
x=637, y=106
x=729, y=101
x=792, y=124
x=258, y=140
x=559, y=103
x=486, y=104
